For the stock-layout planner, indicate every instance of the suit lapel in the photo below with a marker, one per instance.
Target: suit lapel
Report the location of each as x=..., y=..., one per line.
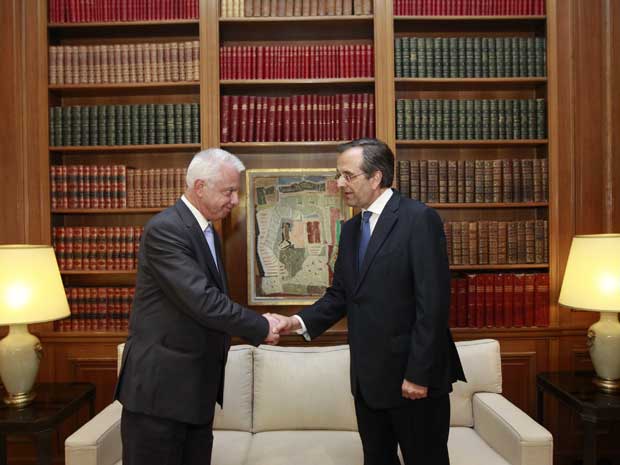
x=382, y=230
x=198, y=238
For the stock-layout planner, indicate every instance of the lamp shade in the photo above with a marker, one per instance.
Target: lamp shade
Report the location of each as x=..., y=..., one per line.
x=31, y=290
x=592, y=277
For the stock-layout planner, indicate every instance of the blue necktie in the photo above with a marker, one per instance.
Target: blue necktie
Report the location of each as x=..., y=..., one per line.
x=211, y=242
x=364, y=239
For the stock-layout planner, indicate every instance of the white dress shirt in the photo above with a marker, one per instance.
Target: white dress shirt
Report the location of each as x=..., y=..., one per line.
x=202, y=221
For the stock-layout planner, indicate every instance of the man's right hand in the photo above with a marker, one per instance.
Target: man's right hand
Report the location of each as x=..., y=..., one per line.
x=286, y=324
x=273, y=336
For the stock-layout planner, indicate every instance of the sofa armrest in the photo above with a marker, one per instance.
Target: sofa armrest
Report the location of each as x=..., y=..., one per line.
x=97, y=442
x=510, y=431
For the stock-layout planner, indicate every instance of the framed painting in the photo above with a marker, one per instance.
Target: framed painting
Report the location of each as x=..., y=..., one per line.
x=294, y=221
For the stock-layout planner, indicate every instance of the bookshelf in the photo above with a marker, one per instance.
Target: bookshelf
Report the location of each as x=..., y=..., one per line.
x=214, y=32
x=266, y=57
x=145, y=74
x=445, y=66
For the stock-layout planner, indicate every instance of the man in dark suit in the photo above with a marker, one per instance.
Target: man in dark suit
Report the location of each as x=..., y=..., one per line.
x=392, y=282
x=173, y=364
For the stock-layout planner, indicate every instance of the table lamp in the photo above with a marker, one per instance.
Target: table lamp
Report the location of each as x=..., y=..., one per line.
x=592, y=283
x=31, y=291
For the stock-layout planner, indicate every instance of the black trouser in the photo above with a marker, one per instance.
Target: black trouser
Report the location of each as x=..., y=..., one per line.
x=420, y=428
x=149, y=440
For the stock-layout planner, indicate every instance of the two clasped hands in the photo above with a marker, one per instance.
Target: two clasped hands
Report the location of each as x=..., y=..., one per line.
x=281, y=325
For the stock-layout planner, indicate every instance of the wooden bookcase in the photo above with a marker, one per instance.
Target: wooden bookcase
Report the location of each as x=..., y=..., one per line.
x=91, y=355
x=379, y=29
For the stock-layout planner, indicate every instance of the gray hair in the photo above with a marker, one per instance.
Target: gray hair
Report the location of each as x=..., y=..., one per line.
x=206, y=165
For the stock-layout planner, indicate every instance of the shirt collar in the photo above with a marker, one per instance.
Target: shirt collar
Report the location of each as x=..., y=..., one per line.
x=202, y=221
x=380, y=202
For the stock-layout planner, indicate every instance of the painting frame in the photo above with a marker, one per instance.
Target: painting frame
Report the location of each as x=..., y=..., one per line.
x=309, y=247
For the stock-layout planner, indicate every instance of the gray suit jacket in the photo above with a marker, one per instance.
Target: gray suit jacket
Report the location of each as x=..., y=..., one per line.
x=180, y=324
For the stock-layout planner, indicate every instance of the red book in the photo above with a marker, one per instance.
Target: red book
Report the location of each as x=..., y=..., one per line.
x=279, y=119
x=234, y=118
x=75, y=308
x=489, y=300
x=294, y=118
x=371, y=116
x=461, y=302
x=518, y=308
x=364, y=116
x=541, y=300
x=286, y=125
x=472, y=299
x=68, y=240
x=341, y=61
x=345, y=115
x=358, y=116
x=499, y=300
x=528, y=299
x=509, y=280
x=243, y=118
x=271, y=121
x=480, y=300
x=302, y=120
x=224, y=121
x=264, y=116
x=260, y=62
x=251, y=118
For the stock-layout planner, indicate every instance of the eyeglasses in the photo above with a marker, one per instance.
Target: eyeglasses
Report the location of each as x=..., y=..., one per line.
x=347, y=177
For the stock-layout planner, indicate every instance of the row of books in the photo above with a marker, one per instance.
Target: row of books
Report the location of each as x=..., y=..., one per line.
x=500, y=301
x=124, y=63
x=97, y=309
x=469, y=57
x=249, y=118
x=470, y=119
x=115, y=186
x=249, y=8
x=474, y=181
x=296, y=62
x=469, y=7
x=86, y=11
x=169, y=123
x=497, y=242
x=87, y=248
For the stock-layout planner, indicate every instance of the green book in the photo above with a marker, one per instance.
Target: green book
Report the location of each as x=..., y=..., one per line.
x=400, y=119
x=413, y=57
x=398, y=57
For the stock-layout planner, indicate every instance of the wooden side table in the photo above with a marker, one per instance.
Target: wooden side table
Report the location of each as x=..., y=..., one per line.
x=576, y=390
x=53, y=404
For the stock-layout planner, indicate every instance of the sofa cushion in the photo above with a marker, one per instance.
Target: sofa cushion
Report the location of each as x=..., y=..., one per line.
x=230, y=447
x=305, y=448
x=238, y=384
x=483, y=370
x=302, y=388
x=465, y=447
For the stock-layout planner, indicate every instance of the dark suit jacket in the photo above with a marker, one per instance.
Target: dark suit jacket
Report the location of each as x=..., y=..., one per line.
x=174, y=358
x=397, y=306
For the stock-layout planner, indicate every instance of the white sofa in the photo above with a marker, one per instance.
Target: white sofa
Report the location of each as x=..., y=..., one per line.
x=293, y=406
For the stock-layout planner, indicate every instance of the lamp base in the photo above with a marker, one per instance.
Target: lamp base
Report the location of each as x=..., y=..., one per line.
x=19, y=400
x=607, y=385
x=20, y=353
x=604, y=343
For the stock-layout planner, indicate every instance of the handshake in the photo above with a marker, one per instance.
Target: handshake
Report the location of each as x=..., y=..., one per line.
x=278, y=325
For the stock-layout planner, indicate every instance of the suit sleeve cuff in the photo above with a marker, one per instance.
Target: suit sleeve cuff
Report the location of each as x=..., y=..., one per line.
x=303, y=331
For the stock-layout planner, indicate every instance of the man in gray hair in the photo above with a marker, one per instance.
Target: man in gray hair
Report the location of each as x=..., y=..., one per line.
x=173, y=364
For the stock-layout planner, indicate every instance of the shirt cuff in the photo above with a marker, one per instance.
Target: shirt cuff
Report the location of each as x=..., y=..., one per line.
x=303, y=330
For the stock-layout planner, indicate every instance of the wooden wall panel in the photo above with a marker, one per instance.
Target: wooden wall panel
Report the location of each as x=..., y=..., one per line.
x=612, y=12
x=12, y=180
